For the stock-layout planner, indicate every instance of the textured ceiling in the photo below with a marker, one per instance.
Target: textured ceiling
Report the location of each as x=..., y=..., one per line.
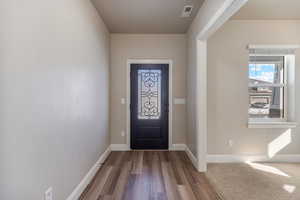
x=269, y=10
x=146, y=16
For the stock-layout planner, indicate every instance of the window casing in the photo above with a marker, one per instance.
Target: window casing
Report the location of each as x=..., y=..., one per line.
x=267, y=88
x=275, y=91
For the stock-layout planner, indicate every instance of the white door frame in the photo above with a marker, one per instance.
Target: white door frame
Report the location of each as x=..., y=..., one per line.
x=149, y=61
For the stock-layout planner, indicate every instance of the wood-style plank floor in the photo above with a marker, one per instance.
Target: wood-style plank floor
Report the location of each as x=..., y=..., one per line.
x=149, y=175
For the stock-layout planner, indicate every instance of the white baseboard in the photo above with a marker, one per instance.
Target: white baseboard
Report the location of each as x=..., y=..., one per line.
x=119, y=147
x=184, y=147
x=178, y=147
x=193, y=159
x=230, y=158
x=89, y=176
x=124, y=147
x=174, y=147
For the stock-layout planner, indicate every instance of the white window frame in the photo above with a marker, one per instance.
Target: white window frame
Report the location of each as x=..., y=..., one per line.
x=281, y=85
x=289, y=83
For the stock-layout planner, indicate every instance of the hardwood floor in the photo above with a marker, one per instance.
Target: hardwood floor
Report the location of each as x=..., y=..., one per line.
x=149, y=175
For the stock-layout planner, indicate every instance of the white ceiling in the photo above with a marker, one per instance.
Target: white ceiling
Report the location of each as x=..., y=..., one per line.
x=146, y=16
x=269, y=10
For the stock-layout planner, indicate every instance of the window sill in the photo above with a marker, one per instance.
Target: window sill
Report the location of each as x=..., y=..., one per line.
x=272, y=124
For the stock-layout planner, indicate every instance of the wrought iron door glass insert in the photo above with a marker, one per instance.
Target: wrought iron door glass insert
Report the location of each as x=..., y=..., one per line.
x=149, y=94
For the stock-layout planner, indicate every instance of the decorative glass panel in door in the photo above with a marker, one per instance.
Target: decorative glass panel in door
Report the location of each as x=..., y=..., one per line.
x=149, y=94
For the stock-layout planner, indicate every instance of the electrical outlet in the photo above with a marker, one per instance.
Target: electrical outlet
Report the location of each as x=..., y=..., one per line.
x=230, y=143
x=123, y=133
x=49, y=194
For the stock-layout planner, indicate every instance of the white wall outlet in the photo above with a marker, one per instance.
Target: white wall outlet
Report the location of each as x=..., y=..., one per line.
x=123, y=101
x=123, y=133
x=230, y=143
x=49, y=194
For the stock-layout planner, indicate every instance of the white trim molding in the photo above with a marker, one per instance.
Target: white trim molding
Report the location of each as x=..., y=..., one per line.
x=272, y=124
x=259, y=46
x=178, y=147
x=201, y=106
x=272, y=50
x=124, y=147
x=191, y=156
x=231, y=158
x=227, y=9
x=174, y=147
x=119, y=147
x=149, y=61
x=89, y=176
x=221, y=16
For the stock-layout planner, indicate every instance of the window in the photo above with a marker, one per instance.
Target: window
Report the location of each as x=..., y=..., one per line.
x=267, y=87
x=271, y=86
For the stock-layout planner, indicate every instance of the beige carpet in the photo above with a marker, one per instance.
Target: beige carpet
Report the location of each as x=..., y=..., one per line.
x=256, y=181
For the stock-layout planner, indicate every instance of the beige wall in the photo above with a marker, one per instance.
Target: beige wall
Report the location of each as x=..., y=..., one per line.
x=228, y=84
x=127, y=46
x=54, y=80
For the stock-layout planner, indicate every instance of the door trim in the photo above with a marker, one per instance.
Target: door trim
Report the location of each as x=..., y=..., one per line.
x=149, y=61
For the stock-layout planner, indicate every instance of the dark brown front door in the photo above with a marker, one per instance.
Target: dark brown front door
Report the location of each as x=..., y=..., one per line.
x=149, y=106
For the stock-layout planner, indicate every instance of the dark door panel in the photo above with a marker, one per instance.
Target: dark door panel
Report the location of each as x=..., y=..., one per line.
x=149, y=106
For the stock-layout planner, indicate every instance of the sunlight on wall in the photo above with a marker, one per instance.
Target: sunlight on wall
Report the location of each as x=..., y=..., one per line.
x=279, y=143
x=267, y=168
x=289, y=188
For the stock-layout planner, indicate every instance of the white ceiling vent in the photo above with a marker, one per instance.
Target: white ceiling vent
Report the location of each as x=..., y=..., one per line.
x=187, y=11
